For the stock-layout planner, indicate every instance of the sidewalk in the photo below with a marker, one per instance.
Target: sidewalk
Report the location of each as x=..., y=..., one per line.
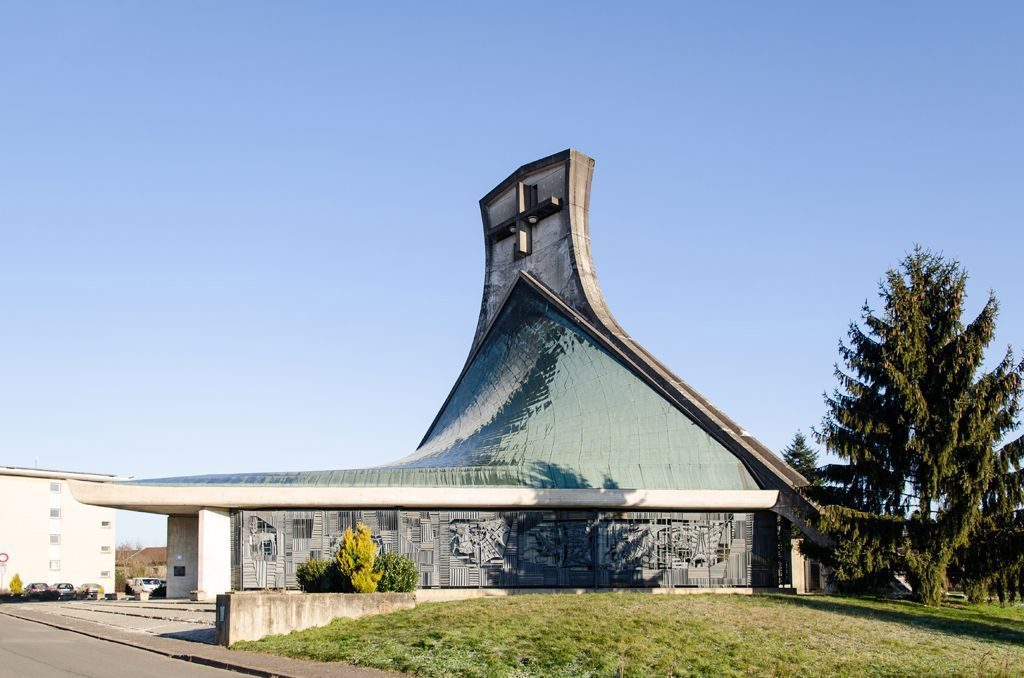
x=250, y=663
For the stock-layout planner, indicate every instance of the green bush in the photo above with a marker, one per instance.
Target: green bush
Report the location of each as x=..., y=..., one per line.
x=17, y=588
x=356, y=558
x=320, y=576
x=397, y=573
x=311, y=573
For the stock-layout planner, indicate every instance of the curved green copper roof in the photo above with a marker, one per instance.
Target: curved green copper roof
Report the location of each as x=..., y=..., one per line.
x=542, y=404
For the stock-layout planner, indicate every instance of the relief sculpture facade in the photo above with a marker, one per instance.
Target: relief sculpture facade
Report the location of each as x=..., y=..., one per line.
x=522, y=549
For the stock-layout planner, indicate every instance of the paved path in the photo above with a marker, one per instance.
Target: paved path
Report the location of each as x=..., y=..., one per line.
x=188, y=621
x=30, y=650
x=164, y=631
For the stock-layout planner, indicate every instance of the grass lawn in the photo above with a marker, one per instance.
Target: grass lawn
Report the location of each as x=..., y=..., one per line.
x=641, y=635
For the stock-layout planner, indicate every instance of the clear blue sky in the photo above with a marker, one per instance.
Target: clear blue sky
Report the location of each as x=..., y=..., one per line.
x=245, y=236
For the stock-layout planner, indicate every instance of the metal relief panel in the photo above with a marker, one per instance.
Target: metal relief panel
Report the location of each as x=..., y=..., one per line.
x=260, y=548
x=575, y=549
x=764, y=566
x=236, y=556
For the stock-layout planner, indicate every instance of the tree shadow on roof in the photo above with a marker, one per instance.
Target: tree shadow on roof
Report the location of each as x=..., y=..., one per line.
x=547, y=475
x=917, y=616
x=555, y=476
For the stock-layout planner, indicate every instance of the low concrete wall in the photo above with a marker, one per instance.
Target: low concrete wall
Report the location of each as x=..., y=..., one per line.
x=251, y=616
x=446, y=595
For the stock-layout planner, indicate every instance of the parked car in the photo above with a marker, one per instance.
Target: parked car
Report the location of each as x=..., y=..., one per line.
x=90, y=591
x=147, y=584
x=36, y=590
x=65, y=591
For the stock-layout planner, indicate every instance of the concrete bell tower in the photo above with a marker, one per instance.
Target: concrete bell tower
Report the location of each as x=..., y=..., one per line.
x=535, y=221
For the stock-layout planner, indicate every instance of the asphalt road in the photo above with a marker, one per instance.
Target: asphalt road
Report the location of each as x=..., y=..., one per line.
x=30, y=650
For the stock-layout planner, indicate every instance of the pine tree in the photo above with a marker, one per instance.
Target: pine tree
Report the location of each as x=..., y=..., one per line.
x=917, y=423
x=802, y=458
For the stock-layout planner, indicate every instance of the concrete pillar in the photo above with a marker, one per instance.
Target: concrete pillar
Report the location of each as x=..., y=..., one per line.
x=182, y=555
x=799, y=568
x=214, y=552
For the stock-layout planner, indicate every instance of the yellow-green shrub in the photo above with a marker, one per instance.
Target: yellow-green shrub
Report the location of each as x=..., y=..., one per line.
x=356, y=558
x=17, y=587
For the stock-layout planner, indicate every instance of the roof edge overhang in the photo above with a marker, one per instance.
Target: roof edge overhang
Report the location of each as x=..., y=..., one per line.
x=59, y=475
x=177, y=499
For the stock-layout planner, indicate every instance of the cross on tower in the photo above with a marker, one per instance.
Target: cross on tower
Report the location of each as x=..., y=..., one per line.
x=526, y=199
x=529, y=213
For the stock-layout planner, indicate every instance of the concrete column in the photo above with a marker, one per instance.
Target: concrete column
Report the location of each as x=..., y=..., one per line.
x=799, y=568
x=182, y=555
x=214, y=552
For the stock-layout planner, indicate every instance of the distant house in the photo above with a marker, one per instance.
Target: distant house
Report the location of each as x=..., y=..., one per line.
x=148, y=562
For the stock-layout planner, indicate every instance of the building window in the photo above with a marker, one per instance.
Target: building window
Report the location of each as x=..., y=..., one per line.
x=179, y=570
x=54, y=487
x=105, y=574
x=104, y=549
x=54, y=564
x=315, y=554
x=54, y=540
x=105, y=523
x=55, y=513
x=302, y=528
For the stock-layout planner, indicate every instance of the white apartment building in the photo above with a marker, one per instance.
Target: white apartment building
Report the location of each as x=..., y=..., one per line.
x=47, y=536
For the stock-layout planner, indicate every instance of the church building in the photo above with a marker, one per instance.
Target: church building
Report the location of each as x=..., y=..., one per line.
x=565, y=455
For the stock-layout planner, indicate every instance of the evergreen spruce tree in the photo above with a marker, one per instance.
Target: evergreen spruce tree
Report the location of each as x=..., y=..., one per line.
x=802, y=458
x=992, y=559
x=918, y=425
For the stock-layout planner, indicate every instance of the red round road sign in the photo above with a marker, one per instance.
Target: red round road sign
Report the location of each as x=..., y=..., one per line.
x=3, y=557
